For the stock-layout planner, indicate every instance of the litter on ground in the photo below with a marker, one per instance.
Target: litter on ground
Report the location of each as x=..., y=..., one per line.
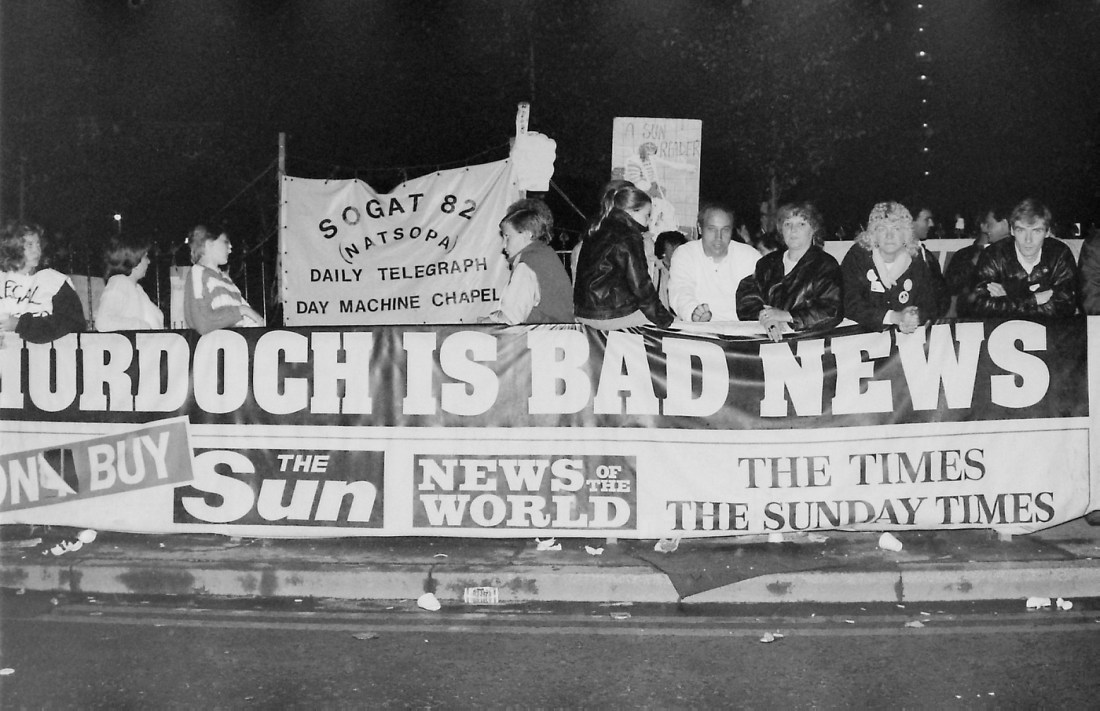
x=667, y=545
x=429, y=602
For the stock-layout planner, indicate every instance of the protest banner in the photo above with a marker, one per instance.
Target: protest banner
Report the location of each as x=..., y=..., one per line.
x=497, y=431
x=95, y=480
x=429, y=251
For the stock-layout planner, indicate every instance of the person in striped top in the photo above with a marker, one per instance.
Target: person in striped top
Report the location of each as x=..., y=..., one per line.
x=210, y=298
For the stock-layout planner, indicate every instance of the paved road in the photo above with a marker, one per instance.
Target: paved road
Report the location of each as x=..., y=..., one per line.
x=84, y=653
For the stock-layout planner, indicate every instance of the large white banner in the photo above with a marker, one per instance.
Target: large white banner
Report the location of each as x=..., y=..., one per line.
x=427, y=252
x=494, y=431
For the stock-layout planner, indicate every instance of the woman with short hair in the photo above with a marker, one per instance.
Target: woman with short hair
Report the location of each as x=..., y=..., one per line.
x=538, y=290
x=124, y=305
x=798, y=285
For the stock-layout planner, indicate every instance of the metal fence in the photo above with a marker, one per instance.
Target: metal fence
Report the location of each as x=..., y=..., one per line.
x=252, y=268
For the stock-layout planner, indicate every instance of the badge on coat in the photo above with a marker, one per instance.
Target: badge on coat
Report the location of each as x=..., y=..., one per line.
x=876, y=285
x=903, y=297
x=908, y=285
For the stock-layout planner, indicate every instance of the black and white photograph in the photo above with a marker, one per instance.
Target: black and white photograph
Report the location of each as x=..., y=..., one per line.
x=571, y=354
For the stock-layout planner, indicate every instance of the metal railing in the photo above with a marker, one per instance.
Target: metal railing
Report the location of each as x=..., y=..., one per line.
x=251, y=268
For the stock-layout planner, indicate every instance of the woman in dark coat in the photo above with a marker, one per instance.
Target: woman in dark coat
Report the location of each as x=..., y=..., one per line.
x=885, y=281
x=612, y=289
x=800, y=285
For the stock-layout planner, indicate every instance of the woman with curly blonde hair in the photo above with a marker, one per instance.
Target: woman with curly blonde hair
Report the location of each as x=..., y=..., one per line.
x=886, y=283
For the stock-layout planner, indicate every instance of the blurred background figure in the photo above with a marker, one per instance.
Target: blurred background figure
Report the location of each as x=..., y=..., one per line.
x=124, y=305
x=963, y=267
x=924, y=227
x=666, y=244
x=767, y=242
x=1088, y=266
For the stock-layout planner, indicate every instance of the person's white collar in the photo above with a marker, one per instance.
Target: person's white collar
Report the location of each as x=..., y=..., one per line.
x=789, y=263
x=1028, y=264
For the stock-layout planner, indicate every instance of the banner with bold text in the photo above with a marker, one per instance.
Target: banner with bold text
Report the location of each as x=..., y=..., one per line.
x=495, y=431
x=427, y=252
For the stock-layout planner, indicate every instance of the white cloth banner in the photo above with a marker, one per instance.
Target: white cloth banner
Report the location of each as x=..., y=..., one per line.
x=427, y=252
x=552, y=430
x=592, y=482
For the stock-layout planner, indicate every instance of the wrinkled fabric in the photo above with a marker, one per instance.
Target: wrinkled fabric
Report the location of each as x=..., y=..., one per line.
x=533, y=155
x=211, y=300
x=999, y=264
x=612, y=277
x=811, y=293
x=45, y=303
x=1088, y=267
x=961, y=274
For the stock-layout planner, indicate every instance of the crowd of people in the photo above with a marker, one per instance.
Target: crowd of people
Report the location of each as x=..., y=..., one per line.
x=887, y=278
x=39, y=304
x=622, y=277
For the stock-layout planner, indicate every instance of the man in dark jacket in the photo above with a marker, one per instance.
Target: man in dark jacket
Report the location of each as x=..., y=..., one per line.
x=1088, y=264
x=962, y=270
x=923, y=223
x=1030, y=275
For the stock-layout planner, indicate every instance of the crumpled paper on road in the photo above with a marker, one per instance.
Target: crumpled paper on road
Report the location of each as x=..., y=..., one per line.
x=547, y=544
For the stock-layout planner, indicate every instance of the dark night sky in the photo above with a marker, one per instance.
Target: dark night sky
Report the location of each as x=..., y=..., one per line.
x=169, y=111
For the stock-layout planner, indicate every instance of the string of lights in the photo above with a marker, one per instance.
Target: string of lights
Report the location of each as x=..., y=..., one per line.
x=924, y=78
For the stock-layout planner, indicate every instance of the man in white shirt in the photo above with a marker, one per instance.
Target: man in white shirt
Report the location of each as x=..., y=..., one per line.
x=706, y=272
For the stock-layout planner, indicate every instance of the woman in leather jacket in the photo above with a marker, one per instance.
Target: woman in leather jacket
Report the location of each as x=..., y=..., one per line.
x=613, y=289
x=800, y=285
x=887, y=282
